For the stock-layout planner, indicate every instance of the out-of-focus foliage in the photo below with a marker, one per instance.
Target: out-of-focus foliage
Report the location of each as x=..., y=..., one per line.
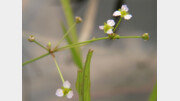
x=153, y=96
x=72, y=37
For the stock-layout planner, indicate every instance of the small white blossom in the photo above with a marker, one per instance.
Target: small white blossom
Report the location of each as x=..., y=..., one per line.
x=101, y=27
x=70, y=95
x=111, y=22
x=110, y=31
x=65, y=90
x=59, y=92
x=66, y=84
x=123, y=12
x=108, y=26
x=117, y=13
x=128, y=16
x=124, y=8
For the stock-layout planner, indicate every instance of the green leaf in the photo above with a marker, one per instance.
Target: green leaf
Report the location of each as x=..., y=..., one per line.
x=74, y=51
x=83, y=83
x=69, y=18
x=86, y=78
x=71, y=38
x=79, y=84
x=153, y=96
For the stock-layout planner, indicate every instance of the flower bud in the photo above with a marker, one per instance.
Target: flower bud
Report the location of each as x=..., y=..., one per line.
x=116, y=36
x=78, y=19
x=31, y=38
x=145, y=36
x=49, y=45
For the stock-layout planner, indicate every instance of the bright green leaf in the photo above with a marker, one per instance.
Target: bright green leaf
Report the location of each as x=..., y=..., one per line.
x=86, y=78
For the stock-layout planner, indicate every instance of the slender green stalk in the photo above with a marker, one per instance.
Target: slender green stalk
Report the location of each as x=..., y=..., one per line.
x=32, y=60
x=77, y=45
x=40, y=45
x=67, y=47
x=60, y=74
x=69, y=30
x=80, y=43
x=123, y=37
x=117, y=24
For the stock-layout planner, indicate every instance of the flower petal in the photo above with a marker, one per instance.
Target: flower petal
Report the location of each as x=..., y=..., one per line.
x=59, y=92
x=66, y=84
x=101, y=27
x=127, y=17
x=124, y=8
x=111, y=22
x=70, y=95
x=110, y=31
x=117, y=13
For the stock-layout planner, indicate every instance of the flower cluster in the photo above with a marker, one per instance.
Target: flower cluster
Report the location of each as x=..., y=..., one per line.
x=65, y=90
x=108, y=27
x=123, y=12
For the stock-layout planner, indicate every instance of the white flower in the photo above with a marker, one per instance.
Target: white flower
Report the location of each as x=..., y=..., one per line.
x=117, y=13
x=59, y=92
x=123, y=12
x=108, y=26
x=111, y=22
x=124, y=8
x=128, y=16
x=110, y=31
x=66, y=84
x=70, y=95
x=65, y=90
x=101, y=27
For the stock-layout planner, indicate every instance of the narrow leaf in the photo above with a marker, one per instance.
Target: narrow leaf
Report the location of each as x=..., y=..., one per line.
x=79, y=84
x=74, y=51
x=69, y=18
x=72, y=37
x=86, y=78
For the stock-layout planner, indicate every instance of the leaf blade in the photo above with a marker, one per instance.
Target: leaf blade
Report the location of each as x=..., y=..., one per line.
x=74, y=51
x=86, y=77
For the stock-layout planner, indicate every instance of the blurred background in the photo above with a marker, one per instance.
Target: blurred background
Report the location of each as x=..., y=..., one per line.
x=121, y=70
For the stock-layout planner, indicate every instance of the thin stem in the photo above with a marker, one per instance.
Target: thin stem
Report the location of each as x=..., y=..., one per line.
x=117, y=24
x=40, y=45
x=77, y=45
x=60, y=74
x=32, y=60
x=65, y=35
x=67, y=47
x=80, y=43
x=123, y=37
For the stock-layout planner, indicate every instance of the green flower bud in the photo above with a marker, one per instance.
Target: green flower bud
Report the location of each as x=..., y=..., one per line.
x=78, y=19
x=145, y=36
x=116, y=36
x=49, y=45
x=31, y=38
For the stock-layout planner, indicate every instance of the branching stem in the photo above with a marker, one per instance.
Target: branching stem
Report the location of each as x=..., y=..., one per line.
x=65, y=35
x=77, y=45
